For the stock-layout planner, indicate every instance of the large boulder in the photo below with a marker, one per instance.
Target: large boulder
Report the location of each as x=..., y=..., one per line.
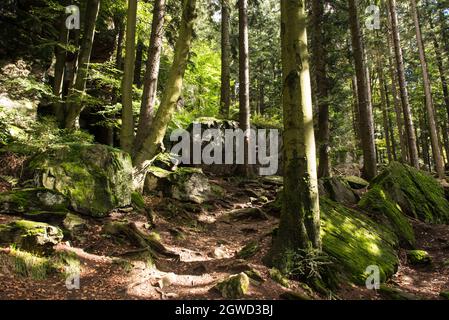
x=30, y=236
x=380, y=203
x=95, y=178
x=355, y=242
x=34, y=203
x=184, y=184
x=338, y=190
x=418, y=194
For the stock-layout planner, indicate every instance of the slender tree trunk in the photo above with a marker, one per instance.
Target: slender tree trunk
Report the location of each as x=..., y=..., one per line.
x=79, y=88
x=410, y=131
x=151, y=74
x=225, y=98
x=385, y=110
x=390, y=123
x=153, y=141
x=120, y=35
x=127, y=128
x=322, y=94
x=439, y=166
x=300, y=219
x=138, y=64
x=444, y=130
x=61, y=55
x=244, y=106
x=365, y=110
x=355, y=110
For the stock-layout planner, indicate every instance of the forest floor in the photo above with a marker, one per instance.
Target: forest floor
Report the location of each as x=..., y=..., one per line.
x=207, y=239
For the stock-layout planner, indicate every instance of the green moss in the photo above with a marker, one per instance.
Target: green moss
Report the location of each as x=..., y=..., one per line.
x=278, y=277
x=356, y=182
x=234, y=287
x=396, y=294
x=26, y=264
x=418, y=194
x=377, y=201
x=137, y=200
x=255, y=275
x=418, y=257
x=355, y=242
x=444, y=294
x=249, y=250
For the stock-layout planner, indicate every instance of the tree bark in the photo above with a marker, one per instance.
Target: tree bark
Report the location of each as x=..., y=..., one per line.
x=153, y=141
x=409, y=127
x=364, y=104
x=439, y=166
x=151, y=74
x=79, y=87
x=300, y=218
x=138, y=64
x=225, y=97
x=385, y=110
x=127, y=128
x=120, y=36
x=322, y=92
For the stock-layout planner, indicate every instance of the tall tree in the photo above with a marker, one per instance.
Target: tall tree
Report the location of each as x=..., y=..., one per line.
x=322, y=92
x=244, y=107
x=225, y=98
x=151, y=74
x=364, y=104
x=127, y=128
x=385, y=110
x=153, y=141
x=75, y=105
x=439, y=166
x=300, y=218
x=408, y=120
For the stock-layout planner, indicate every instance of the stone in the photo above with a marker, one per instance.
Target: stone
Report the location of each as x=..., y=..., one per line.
x=234, y=287
x=339, y=191
x=356, y=182
x=418, y=257
x=95, y=178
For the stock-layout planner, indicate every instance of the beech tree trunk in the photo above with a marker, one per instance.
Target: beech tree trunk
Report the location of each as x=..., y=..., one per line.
x=300, y=218
x=127, y=128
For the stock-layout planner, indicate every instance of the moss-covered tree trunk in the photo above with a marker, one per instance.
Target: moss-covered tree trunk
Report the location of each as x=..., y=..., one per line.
x=319, y=62
x=300, y=218
x=151, y=74
x=127, y=128
x=366, y=122
x=438, y=161
x=75, y=105
x=225, y=98
x=409, y=127
x=153, y=142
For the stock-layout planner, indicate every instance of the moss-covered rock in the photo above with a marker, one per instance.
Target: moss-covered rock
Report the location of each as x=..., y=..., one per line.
x=278, y=277
x=249, y=250
x=377, y=201
x=29, y=235
x=356, y=182
x=38, y=204
x=95, y=178
x=339, y=190
x=74, y=224
x=355, y=242
x=396, y=294
x=137, y=201
x=184, y=184
x=418, y=257
x=417, y=193
x=444, y=295
x=234, y=287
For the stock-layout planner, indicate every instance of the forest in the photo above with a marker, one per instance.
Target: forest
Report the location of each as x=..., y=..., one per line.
x=224, y=150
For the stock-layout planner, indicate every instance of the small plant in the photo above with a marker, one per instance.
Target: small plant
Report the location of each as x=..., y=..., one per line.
x=305, y=263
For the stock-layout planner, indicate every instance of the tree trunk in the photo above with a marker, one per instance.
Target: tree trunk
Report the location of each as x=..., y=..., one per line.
x=75, y=107
x=153, y=141
x=409, y=127
x=138, y=64
x=244, y=107
x=225, y=98
x=151, y=74
x=385, y=110
x=127, y=128
x=365, y=110
x=60, y=55
x=390, y=123
x=120, y=36
x=322, y=94
x=439, y=166
x=300, y=218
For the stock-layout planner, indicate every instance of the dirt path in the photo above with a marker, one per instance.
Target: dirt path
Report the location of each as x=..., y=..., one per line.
x=207, y=240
